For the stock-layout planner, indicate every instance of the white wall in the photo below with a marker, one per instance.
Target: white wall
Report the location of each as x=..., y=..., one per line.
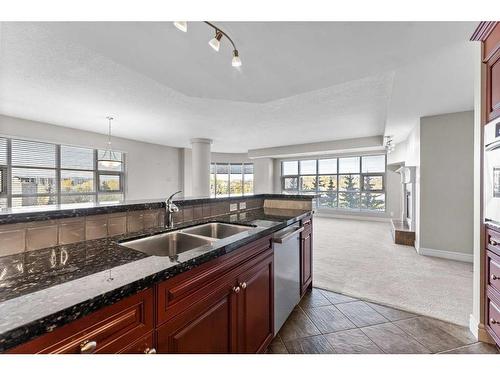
x=153, y=171
x=446, y=183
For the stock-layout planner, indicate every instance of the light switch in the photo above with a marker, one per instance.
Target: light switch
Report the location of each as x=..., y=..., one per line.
x=233, y=206
x=243, y=205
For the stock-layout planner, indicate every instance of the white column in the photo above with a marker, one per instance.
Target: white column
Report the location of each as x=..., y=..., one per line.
x=200, y=172
x=263, y=174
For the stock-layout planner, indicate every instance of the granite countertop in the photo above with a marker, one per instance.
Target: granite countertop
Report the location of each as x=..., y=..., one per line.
x=44, y=289
x=63, y=211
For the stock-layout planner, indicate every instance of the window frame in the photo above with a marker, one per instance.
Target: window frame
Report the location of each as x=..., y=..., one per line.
x=336, y=192
x=59, y=195
x=214, y=166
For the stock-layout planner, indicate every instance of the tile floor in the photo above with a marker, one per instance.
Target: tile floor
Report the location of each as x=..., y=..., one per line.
x=327, y=322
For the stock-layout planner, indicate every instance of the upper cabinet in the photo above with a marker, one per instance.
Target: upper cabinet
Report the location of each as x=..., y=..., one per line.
x=489, y=34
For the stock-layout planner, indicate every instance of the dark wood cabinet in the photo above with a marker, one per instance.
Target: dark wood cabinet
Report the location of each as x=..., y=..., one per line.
x=256, y=307
x=108, y=330
x=223, y=306
x=208, y=326
x=489, y=34
x=306, y=246
x=492, y=281
x=235, y=318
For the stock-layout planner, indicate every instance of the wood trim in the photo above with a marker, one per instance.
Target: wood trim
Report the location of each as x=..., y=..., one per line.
x=483, y=30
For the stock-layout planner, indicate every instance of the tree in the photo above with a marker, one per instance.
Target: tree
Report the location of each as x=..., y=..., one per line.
x=371, y=201
x=350, y=198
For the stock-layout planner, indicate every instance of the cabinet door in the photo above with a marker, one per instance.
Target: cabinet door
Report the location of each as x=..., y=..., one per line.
x=208, y=326
x=306, y=257
x=493, y=86
x=256, y=307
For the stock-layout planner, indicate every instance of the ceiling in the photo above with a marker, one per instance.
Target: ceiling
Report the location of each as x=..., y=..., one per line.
x=300, y=81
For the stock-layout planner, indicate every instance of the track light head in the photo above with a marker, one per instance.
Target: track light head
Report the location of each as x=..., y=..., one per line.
x=181, y=25
x=215, y=41
x=236, y=62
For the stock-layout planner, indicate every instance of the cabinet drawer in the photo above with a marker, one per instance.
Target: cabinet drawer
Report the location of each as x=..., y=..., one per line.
x=108, y=330
x=142, y=346
x=493, y=241
x=180, y=292
x=493, y=270
x=493, y=321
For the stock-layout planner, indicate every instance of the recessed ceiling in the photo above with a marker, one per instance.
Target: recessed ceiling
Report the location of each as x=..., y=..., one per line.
x=300, y=81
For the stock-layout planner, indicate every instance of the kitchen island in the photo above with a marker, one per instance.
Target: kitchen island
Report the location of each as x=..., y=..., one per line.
x=100, y=296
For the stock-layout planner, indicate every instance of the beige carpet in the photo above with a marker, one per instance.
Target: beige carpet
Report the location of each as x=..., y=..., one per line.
x=359, y=258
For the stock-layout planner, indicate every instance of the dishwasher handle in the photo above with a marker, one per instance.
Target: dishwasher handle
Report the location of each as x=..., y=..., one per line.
x=287, y=235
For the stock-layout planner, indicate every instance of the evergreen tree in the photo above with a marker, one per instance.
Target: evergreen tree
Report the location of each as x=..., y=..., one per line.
x=351, y=199
x=371, y=200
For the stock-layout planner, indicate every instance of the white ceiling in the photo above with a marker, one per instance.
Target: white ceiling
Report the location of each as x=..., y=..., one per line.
x=300, y=81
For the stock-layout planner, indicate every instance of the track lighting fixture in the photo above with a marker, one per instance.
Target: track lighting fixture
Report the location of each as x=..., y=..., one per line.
x=215, y=41
x=389, y=143
x=181, y=25
x=236, y=62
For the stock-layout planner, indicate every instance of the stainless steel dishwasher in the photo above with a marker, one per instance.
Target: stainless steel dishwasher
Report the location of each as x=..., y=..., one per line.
x=286, y=273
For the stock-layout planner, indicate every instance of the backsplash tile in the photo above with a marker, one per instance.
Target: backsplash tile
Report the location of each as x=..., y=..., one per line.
x=71, y=230
x=151, y=219
x=135, y=221
x=96, y=227
x=41, y=236
x=17, y=238
x=117, y=224
x=12, y=239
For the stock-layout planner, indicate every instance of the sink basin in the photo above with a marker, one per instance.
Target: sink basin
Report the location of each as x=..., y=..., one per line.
x=216, y=230
x=167, y=244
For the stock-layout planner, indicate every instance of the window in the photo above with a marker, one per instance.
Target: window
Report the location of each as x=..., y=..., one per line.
x=350, y=183
x=39, y=173
x=231, y=179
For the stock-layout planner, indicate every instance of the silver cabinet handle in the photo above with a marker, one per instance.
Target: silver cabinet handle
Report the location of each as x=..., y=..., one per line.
x=493, y=321
x=493, y=242
x=88, y=347
x=236, y=289
x=243, y=285
x=494, y=277
x=150, y=351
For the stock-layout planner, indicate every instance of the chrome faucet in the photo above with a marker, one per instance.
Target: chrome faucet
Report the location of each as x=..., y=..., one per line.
x=170, y=208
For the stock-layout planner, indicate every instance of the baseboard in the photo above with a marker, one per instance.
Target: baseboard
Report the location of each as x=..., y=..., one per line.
x=474, y=326
x=352, y=217
x=461, y=257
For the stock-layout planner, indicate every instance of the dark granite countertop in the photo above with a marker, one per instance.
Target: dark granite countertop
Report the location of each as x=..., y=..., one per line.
x=44, y=289
x=62, y=211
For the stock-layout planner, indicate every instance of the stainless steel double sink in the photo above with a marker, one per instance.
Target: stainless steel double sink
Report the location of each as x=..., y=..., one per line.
x=172, y=244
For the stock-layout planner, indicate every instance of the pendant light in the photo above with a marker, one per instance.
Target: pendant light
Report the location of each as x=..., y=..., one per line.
x=109, y=159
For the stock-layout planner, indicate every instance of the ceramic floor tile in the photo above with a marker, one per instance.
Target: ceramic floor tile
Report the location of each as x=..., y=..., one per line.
x=314, y=298
x=337, y=297
x=476, y=348
x=309, y=345
x=391, y=313
x=329, y=319
x=298, y=325
x=361, y=314
x=277, y=346
x=429, y=333
x=353, y=341
x=393, y=340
